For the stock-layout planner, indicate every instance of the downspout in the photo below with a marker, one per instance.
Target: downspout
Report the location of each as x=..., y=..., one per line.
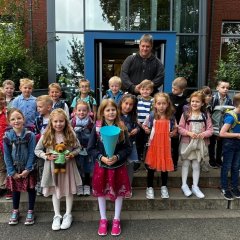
x=210, y=39
x=30, y=26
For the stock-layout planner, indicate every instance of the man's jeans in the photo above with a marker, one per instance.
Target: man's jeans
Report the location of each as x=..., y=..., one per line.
x=231, y=161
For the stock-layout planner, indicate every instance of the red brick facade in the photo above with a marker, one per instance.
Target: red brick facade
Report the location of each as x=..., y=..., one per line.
x=218, y=11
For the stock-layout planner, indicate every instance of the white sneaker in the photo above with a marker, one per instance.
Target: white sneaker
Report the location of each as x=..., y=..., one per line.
x=86, y=190
x=56, y=224
x=164, y=192
x=67, y=221
x=150, y=193
x=186, y=190
x=80, y=190
x=197, y=192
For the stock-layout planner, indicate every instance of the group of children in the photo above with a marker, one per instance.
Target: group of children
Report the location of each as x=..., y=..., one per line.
x=155, y=130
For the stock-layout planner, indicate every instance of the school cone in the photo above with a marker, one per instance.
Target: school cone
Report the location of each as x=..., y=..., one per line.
x=109, y=136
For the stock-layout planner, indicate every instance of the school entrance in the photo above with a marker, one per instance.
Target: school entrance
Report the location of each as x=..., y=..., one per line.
x=105, y=52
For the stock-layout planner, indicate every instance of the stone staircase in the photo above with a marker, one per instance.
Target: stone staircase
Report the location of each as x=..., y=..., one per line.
x=209, y=184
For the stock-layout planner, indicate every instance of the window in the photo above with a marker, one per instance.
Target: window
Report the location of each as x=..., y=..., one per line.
x=230, y=35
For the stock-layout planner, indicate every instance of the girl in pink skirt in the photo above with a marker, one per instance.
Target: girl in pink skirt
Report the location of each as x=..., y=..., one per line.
x=110, y=177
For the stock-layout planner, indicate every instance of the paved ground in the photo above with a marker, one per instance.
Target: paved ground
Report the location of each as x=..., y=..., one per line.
x=165, y=229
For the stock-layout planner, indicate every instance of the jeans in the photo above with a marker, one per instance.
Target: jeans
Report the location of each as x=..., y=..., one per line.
x=231, y=162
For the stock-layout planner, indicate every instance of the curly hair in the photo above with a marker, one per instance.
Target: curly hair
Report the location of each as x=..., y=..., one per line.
x=68, y=133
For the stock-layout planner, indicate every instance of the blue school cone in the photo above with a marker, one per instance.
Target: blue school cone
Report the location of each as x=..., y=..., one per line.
x=109, y=136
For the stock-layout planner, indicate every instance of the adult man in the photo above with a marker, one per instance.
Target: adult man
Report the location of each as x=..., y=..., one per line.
x=143, y=65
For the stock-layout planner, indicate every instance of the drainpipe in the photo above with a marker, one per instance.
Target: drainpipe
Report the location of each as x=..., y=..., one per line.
x=211, y=17
x=30, y=22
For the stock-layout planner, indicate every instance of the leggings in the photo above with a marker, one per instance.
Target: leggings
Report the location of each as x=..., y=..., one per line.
x=150, y=176
x=31, y=199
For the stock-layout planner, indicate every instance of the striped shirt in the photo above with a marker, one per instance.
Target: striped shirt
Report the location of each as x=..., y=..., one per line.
x=143, y=108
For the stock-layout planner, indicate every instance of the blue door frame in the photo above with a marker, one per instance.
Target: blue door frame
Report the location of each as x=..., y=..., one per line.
x=90, y=38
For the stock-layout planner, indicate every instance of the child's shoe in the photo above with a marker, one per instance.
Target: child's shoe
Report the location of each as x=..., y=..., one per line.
x=236, y=192
x=102, y=229
x=116, y=227
x=227, y=195
x=30, y=218
x=67, y=221
x=164, y=192
x=150, y=193
x=14, y=217
x=80, y=190
x=86, y=190
x=56, y=224
x=8, y=195
x=186, y=190
x=197, y=192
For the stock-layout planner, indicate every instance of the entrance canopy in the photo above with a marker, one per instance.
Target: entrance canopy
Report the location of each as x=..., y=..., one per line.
x=93, y=59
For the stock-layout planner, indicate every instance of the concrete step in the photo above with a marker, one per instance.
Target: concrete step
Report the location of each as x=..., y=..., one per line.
x=87, y=216
x=209, y=179
x=138, y=202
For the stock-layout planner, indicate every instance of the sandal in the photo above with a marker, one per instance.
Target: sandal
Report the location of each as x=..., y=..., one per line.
x=14, y=217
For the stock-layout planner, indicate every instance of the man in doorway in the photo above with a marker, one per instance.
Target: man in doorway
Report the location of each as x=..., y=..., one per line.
x=141, y=66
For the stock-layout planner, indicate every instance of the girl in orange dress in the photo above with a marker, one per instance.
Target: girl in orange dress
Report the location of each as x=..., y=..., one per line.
x=162, y=126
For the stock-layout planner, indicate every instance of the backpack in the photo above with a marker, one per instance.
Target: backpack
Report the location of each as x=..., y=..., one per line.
x=204, y=118
x=218, y=117
x=59, y=104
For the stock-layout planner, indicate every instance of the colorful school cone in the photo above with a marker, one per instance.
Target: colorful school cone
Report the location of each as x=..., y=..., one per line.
x=109, y=136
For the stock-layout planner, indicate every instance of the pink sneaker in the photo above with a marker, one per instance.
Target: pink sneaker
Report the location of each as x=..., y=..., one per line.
x=102, y=229
x=116, y=227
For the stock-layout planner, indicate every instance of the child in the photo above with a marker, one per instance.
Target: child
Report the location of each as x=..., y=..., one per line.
x=26, y=103
x=82, y=125
x=8, y=88
x=144, y=107
x=231, y=151
x=220, y=98
x=55, y=92
x=110, y=177
x=195, y=127
x=158, y=158
x=114, y=91
x=128, y=114
x=3, y=124
x=44, y=107
x=178, y=100
x=19, y=144
x=84, y=90
x=62, y=184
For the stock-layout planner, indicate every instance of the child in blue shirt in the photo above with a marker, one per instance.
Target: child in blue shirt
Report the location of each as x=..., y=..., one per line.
x=26, y=103
x=114, y=92
x=230, y=133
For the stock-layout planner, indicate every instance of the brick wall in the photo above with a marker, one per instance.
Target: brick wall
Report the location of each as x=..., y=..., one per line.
x=39, y=24
x=222, y=11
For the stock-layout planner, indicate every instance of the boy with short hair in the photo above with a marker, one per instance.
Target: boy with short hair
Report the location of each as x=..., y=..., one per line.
x=26, y=102
x=3, y=124
x=44, y=108
x=55, y=92
x=9, y=88
x=230, y=132
x=114, y=92
x=178, y=100
x=144, y=106
x=220, y=98
x=84, y=90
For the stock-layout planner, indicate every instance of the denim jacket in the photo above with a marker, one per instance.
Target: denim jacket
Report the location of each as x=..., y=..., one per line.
x=19, y=151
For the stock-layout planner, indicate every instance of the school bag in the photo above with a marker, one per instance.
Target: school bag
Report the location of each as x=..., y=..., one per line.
x=218, y=117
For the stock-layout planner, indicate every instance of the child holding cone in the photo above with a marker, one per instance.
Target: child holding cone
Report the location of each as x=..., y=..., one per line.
x=110, y=177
